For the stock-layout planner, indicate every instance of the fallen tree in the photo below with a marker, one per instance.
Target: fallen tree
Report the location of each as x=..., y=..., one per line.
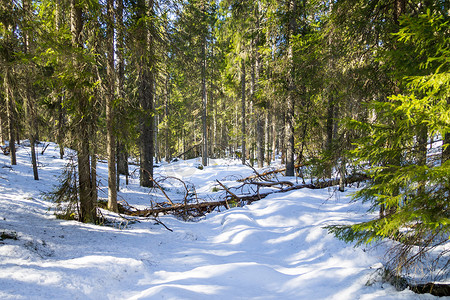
x=200, y=208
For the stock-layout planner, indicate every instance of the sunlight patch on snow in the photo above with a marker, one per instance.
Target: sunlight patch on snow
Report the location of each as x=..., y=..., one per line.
x=173, y=291
x=235, y=236
x=286, y=237
x=314, y=234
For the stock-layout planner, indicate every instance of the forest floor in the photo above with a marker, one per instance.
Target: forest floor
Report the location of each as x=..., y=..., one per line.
x=275, y=248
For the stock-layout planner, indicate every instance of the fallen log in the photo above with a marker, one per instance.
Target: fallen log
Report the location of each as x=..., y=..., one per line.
x=272, y=184
x=177, y=208
x=240, y=199
x=436, y=289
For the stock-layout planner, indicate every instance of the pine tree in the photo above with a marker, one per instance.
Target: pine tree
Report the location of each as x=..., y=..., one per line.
x=414, y=190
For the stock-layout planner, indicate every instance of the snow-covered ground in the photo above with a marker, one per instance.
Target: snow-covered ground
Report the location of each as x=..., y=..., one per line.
x=275, y=248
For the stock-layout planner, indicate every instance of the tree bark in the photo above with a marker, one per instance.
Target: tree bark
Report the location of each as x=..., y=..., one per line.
x=2, y=124
x=145, y=97
x=329, y=136
x=290, y=96
x=121, y=153
x=10, y=111
x=110, y=138
x=88, y=213
x=243, y=133
x=29, y=97
x=204, y=99
x=267, y=136
x=167, y=153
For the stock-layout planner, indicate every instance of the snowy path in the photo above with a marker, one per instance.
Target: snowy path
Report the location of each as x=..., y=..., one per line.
x=273, y=249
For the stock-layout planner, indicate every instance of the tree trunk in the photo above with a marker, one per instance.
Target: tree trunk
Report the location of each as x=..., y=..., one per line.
x=121, y=153
x=110, y=138
x=94, y=193
x=10, y=111
x=274, y=137
x=2, y=124
x=267, y=136
x=329, y=137
x=290, y=96
x=204, y=102
x=60, y=128
x=88, y=212
x=243, y=133
x=29, y=112
x=29, y=99
x=166, y=120
x=146, y=97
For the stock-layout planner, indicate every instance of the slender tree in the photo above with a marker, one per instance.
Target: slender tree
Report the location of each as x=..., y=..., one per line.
x=111, y=141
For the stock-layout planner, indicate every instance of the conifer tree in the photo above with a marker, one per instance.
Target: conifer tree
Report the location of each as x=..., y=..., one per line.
x=414, y=191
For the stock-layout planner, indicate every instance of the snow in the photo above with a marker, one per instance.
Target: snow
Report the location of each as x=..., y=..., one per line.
x=275, y=248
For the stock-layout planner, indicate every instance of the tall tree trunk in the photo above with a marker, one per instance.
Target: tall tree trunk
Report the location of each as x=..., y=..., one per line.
x=146, y=96
x=2, y=125
x=267, y=136
x=274, y=137
x=88, y=212
x=243, y=134
x=10, y=111
x=290, y=96
x=29, y=97
x=94, y=192
x=60, y=128
x=329, y=136
x=260, y=138
x=61, y=113
x=204, y=102
x=110, y=138
x=31, y=117
x=166, y=120
x=121, y=153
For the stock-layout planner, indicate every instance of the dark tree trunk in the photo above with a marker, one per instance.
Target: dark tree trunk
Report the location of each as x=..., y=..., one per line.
x=204, y=104
x=329, y=136
x=290, y=96
x=146, y=97
x=29, y=98
x=167, y=153
x=110, y=138
x=267, y=136
x=243, y=134
x=88, y=213
x=10, y=111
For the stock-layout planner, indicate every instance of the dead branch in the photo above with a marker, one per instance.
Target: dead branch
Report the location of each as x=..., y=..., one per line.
x=193, y=147
x=45, y=148
x=267, y=173
x=159, y=187
x=161, y=223
x=227, y=190
x=5, y=150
